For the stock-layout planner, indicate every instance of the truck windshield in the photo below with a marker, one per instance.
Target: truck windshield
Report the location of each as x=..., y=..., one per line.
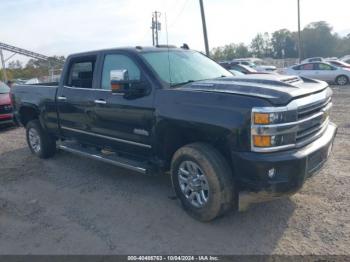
x=4, y=88
x=177, y=67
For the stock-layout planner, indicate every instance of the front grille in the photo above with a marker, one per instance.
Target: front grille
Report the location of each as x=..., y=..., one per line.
x=5, y=109
x=313, y=119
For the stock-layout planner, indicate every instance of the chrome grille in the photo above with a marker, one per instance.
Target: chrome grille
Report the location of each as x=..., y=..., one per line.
x=5, y=109
x=316, y=119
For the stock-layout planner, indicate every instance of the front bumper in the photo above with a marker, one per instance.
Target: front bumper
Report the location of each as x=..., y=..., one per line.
x=6, y=119
x=292, y=167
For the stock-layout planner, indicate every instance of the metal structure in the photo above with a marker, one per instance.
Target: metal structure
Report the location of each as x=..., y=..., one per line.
x=21, y=51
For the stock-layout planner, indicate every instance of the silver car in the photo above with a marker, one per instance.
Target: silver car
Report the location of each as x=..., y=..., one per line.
x=322, y=71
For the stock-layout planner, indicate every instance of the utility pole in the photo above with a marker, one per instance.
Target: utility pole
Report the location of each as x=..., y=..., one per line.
x=152, y=27
x=156, y=21
x=204, y=28
x=156, y=26
x=3, y=66
x=299, y=33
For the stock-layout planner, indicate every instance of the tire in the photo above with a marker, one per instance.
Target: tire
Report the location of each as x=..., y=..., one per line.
x=342, y=80
x=40, y=142
x=216, y=181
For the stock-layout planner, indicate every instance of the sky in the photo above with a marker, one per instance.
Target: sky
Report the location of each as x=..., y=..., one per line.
x=62, y=27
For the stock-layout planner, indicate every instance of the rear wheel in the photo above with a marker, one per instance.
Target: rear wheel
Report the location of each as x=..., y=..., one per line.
x=203, y=181
x=342, y=80
x=40, y=143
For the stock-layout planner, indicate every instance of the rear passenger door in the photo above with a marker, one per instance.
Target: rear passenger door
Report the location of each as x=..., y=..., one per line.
x=325, y=72
x=75, y=99
x=307, y=70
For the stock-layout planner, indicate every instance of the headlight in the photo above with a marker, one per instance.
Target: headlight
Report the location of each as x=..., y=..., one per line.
x=266, y=118
x=273, y=128
x=273, y=140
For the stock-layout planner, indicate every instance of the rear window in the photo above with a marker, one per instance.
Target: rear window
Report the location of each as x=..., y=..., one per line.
x=81, y=73
x=4, y=88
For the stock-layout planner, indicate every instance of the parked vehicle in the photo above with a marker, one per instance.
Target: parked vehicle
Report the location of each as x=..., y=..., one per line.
x=221, y=137
x=236, y=73
x=313, y=59
x=258, y=66
x=6, y=110
x=241, y=68
x=339, y=63
x=346, y=59
x=322, y=71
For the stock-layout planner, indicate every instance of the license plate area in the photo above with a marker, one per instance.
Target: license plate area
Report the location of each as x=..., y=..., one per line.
x=316, y=160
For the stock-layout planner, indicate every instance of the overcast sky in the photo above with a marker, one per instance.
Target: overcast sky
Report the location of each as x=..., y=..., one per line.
x=61, y=27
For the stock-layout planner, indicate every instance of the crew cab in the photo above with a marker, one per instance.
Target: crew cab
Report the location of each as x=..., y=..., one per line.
x=160, y=109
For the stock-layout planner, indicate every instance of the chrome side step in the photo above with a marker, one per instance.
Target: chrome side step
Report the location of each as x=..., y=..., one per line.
x=140, y=167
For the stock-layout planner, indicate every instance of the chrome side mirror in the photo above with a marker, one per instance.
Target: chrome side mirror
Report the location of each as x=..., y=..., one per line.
x=118, y=79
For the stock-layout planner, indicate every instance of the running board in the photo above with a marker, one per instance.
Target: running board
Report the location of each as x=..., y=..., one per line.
x=138, y=166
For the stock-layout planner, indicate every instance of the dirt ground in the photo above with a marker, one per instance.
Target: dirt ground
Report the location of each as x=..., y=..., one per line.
x=72, y=205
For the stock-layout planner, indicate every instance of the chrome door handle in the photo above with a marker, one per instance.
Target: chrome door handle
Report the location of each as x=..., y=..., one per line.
x=62, y=98
x=100, y=101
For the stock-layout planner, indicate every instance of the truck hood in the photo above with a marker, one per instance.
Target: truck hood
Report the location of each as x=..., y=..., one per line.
x=277, y=89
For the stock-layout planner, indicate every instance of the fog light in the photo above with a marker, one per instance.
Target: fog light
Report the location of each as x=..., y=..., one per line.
x=271, y=173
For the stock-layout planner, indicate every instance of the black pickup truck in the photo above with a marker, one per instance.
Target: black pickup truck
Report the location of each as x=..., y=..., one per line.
x=154, y=110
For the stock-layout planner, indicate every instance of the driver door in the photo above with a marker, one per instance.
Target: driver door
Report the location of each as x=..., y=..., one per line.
x=125, y=123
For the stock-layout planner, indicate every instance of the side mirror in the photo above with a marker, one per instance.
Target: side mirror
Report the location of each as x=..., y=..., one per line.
x=119, y=79
x=120, y=83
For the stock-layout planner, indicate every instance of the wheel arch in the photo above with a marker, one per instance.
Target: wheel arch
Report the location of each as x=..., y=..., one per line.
x=171, y=136
x=28, y=113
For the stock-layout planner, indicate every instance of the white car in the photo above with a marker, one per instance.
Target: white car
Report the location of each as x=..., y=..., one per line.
x=321, y=71
x=313, y=59
x=346, y=59
x=257, y=64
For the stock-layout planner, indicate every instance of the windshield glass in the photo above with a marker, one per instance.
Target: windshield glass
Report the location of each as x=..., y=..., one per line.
x=176, y=67
x=4, y=88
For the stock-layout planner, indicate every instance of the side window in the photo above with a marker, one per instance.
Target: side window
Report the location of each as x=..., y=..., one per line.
x=115, y=62
x=324, y=67
x=296, y=67
x=307, y=67
x=81, y=74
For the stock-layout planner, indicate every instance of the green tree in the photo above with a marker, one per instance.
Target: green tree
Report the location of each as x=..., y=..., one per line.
x=284, y=44
x=261, y=45
x=318, y=40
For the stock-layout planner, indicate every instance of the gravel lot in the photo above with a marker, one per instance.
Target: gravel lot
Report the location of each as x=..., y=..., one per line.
x=72, y=205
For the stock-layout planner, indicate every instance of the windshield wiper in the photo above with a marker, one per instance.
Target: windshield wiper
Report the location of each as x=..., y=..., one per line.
x=182, y=83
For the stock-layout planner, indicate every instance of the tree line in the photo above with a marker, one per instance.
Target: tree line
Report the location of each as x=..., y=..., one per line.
x=318, y=39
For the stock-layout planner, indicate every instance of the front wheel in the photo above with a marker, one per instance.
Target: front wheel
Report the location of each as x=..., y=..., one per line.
x=40, y=143
x=203, y=181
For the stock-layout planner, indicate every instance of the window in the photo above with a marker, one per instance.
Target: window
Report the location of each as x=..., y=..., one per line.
x=324, y=67
x=81, y=74
x=177, y=67
x=115, y=62
x=307, y=67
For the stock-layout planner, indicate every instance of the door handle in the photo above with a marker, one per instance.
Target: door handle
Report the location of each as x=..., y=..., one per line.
x=62, y=98
x=100, y=101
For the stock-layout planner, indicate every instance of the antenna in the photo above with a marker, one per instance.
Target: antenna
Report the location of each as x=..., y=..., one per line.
x=167, y=43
